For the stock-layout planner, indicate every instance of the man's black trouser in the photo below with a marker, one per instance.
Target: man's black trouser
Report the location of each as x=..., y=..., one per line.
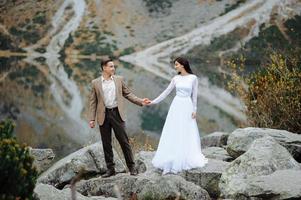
x=113, y=120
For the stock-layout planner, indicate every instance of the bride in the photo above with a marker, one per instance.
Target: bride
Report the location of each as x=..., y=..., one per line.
x=179, y=147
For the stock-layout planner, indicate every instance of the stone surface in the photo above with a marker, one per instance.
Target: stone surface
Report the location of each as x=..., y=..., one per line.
x=264, y=157
x=42, y=158
x=170, y=187
x=144, y=162
x=217, y=153
x=120, y=184
x=207, y=177
x=148, y=184
x=49, y=192
x=89, y=160
x=216, y=139
x=264, y=169
x=143, y=186
x=282, y=184
x=240, y=140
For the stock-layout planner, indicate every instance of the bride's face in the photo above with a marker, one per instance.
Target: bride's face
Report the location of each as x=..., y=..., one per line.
x=179, y=67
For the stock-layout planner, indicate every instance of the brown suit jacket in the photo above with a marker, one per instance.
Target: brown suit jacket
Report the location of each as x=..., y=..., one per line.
x=97, y=106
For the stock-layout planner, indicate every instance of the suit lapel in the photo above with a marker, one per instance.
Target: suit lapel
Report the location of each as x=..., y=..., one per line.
x=116, y=81
x=99, y=88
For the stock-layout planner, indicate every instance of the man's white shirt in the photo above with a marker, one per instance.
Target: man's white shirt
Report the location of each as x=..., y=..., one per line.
x=109, y=92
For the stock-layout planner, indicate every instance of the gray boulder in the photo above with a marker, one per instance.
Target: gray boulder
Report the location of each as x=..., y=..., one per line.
x=148, y=184
x=42, y=158
x=207, y=177
x=217, y=153
x=170, y=187
x=240, y=140
x=144, y=163
x=264, y=157
x=216, y=139
x=49, y=192
x=282, y=184
x=142, y=186
x=114, y=186
x=88, y=160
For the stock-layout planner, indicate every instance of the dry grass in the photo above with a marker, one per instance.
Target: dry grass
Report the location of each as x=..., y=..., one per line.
x=138, y=142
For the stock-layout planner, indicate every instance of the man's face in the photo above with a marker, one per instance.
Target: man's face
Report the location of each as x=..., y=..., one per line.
x=109, y=68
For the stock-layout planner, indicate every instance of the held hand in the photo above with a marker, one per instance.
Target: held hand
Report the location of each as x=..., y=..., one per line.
x=146, y=101
x=92, y=124
x=193, y=115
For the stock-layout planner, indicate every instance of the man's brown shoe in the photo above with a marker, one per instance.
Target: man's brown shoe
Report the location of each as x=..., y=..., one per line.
x=109, y=173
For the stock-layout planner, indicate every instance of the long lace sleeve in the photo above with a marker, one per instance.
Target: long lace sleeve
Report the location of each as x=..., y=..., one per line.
x=194, y=94
x=165, y=93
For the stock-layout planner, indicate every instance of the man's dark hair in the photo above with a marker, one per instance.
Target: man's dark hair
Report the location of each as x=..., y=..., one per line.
x=104, y=62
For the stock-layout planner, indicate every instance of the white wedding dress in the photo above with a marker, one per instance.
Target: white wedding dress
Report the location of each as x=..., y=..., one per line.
x=179, y=147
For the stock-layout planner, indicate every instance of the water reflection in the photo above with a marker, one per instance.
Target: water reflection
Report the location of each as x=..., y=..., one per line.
x=45, y=85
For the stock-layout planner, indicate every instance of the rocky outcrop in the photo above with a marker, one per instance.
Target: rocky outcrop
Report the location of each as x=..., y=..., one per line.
x=88, y=160
x=216, y=139
x=207, y=177
x=143, y=186
x=264, y=157
x=49, y=192
x=144, y=162
x=282, y=184
x=148, y=184
x=42, y=158
x=120, y=184
x=217, y=153
x=263, y=168
x=171, y=187
x=240, y=140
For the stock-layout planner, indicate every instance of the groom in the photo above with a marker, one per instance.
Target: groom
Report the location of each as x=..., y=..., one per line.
x=107, y=108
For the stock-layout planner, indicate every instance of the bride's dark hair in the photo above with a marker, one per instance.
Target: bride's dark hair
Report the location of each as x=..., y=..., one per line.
x=185, y=63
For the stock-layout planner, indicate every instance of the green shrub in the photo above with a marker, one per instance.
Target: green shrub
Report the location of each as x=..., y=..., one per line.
x=6, y=129
x=18, y=175
x=158, y=7
x=272, y=95
x=40, y=18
